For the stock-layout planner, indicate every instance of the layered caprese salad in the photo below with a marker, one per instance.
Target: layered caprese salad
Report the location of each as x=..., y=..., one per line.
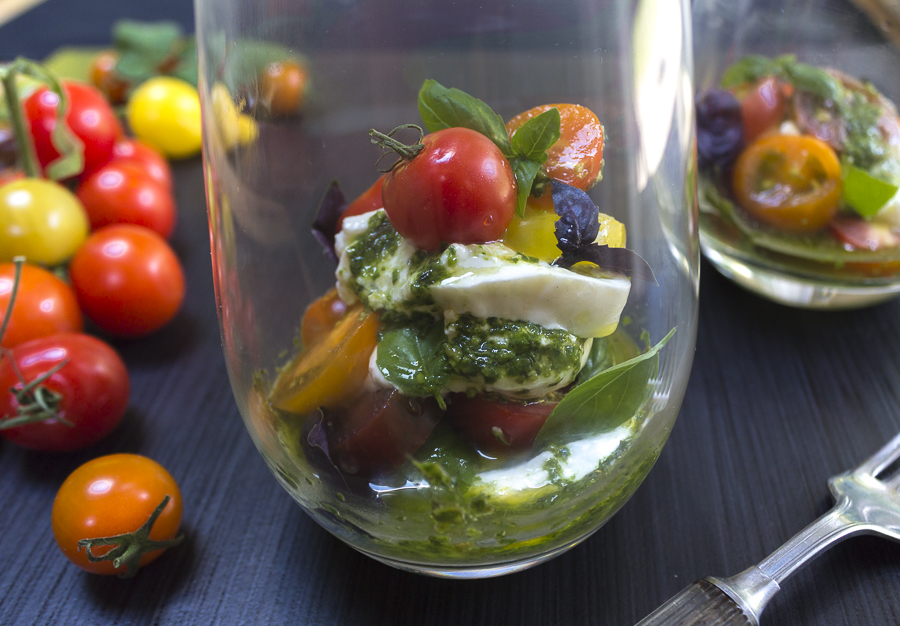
x=470, y=357
x=800, y=167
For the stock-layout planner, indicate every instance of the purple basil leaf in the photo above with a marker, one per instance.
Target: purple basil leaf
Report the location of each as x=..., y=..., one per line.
x=620, y=260
x=331, y=207
x=720, y=128
x=578, y=223
x=577, y=229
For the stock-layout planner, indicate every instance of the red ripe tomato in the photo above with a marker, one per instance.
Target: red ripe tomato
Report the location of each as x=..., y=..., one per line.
x=44, y=305
x=123, y=193
x=115, y=496
x=92, y=390
x=370, y=200
x=128, y=280
x=90, y=117
x=152, y=162
x=497, y=427
x=458, y=189
x=762, y=108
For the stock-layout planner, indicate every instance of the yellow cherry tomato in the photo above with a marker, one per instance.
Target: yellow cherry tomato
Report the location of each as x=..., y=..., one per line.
x=790, y=182
x=235, y=128
x=535, y=234
x=164, y=112
x=41, y=220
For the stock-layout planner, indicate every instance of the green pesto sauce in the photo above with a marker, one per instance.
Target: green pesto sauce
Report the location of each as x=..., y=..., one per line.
x=495, y=348
x=370, y=252
x=865, y=145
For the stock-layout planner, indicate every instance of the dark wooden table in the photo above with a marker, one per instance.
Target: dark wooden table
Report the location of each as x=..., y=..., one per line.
x=779, y=400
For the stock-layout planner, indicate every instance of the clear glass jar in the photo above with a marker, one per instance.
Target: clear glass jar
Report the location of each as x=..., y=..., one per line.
x=290, y=91
x=816, y=79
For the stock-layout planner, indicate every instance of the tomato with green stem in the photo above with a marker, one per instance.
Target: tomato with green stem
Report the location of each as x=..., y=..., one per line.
x=41, y=220
x=128, y=280
x=61, y=392
x=44, y=305
x=117, y=513
x=453, y=186
x=123, y=193
x=790, y=182
x=90, y=118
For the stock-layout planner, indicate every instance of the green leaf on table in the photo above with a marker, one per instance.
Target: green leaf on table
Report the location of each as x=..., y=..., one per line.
x=442, y=108
x=186, y=69
x=413, y=360
x=605, y=401
x=144, y=47
x=537, y=135
x=72, y=62
x=526, y=171
x=865, y=193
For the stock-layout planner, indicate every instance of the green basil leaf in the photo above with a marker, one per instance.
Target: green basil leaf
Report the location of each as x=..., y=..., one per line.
x=865, y=193
x=813, y=79
x=154, y=39
x=534, y=137
x=749, y=69
x=442, y=108
x=605, y=401
x=414, y=361
x=526, y=171
x=187, y=62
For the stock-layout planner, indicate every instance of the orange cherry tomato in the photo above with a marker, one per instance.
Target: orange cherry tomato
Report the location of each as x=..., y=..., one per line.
x=369, y=200
x=109, y=496
x=103, y=76
x=790, y=182
x=282, y=86
x=44, y=305
x=577, y=157
x=331, y=372
x=320, y=317
x=128, y=280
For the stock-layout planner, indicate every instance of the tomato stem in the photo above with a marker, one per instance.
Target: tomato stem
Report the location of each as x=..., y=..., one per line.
x=17, y=117
x=130, y=547
x=36, y=403
x=388, y=143
x=19, y=262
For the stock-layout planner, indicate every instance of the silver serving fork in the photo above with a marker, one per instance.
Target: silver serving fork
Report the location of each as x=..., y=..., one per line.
x=864, y=505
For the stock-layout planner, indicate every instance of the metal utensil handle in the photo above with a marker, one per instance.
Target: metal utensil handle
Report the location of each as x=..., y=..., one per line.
x=700, y=604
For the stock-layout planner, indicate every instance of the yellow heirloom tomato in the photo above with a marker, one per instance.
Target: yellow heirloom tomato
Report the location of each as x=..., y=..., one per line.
x=40, y=220
x=164, y=112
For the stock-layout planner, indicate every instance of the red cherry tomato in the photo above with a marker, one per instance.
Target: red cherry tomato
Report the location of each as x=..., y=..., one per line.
x=114, y=495
x=458, y=189
x=151, y=161
x=370, y=200
x=577, y=157
x=44, y=305
x=128, y=280
x=123, y=193
x=496, y=427
x=92, y=387
x=90, y=117
x=762, y=108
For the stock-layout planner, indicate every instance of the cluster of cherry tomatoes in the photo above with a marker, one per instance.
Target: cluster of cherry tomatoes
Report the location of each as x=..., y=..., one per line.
x=94, y=246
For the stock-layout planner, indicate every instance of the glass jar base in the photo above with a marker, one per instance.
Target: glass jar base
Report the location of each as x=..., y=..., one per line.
x=472, y=572
x=798, y=292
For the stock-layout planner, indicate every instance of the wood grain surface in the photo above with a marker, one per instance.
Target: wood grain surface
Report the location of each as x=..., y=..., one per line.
x=779, y=400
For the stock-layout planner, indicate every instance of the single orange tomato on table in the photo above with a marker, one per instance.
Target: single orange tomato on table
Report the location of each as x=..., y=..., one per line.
x=106, y=506
x=44, y=306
